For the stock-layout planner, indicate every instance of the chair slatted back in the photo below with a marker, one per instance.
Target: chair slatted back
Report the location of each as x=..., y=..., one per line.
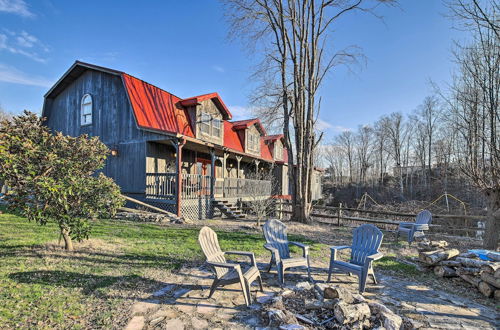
x=424, y=217
x=366, y=240
x=210, y=245
x=275, y=234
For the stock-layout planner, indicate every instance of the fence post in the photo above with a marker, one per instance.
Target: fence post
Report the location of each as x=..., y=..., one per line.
x=339, y=214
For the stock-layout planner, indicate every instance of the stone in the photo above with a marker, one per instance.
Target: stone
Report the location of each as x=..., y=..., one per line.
x=144, y=307
x=185, y=308
x=165, y=313
x=205, y=309
x=197, y=323
x=174, y=324
x=136, y=323
x=155, y=321
x=163, y=291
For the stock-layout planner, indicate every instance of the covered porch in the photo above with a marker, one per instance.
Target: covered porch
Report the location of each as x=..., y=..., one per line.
x=202, y=172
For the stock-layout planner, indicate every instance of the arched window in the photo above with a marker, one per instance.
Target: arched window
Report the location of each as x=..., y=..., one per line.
x=86, y=110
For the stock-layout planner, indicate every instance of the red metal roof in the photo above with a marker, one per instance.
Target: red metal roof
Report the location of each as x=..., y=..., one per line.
x=155, y=108
x=274, y=137
x=212, y=96
x=265, y=151
x=242, y=124
x=232, y=138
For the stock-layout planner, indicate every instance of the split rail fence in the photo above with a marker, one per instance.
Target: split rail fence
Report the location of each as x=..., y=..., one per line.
x=446, y=224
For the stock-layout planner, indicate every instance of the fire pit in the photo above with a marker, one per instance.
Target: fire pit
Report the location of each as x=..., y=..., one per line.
x=324, y=306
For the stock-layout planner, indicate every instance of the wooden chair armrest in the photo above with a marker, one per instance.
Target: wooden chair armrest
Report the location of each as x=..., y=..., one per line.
x=406, y=224
x=243, y=253
x=421, y=226
x=375, y=256
x=224, y=265
x=274, y=251
x=305, y=248
x=341, y=247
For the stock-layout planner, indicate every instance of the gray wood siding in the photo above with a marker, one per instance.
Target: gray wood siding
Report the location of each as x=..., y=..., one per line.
x=112, y=121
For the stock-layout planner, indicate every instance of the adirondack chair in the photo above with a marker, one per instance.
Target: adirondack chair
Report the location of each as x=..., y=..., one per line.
x=278, y=244
x=366, y=241
x=228, y=273
x=409, y=229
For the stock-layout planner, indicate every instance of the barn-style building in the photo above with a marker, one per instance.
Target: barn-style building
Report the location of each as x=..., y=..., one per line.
x=182, y=154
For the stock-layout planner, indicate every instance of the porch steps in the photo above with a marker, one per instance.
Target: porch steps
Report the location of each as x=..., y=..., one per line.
x=229, y=210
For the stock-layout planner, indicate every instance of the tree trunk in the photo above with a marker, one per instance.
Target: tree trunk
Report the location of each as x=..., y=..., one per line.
x=68, y=243
x=492, y=231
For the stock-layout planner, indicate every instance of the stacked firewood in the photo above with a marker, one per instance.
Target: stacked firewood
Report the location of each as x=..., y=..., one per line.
x=449, y=263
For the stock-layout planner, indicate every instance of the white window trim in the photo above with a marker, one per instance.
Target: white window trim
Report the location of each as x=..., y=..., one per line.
x=83, y=115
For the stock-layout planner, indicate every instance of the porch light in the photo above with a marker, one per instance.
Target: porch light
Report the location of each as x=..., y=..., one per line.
x=114, y=152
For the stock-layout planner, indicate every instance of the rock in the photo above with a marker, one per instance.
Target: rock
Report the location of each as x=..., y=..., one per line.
x=185, y=308
x=174, y=324
x=136, y=323
x=167, y=313
x=206, y=309
x=197, y=323
x=163, y=291
x=410, y=324
x=157, y=320
x=303, y=286
x=349, y=313
x=144, y=307
x=390, y=320
x=278, y=317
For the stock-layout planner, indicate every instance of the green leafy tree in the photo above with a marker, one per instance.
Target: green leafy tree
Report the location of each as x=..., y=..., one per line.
x=52, y=177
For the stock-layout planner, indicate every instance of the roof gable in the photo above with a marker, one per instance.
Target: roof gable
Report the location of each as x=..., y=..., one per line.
x=244, y=124
x=195, y=100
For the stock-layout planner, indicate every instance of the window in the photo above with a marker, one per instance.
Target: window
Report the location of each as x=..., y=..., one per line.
x=216, y=126
x=278, y=151
x=205, y=123
x=86, y=110
x=253, y=141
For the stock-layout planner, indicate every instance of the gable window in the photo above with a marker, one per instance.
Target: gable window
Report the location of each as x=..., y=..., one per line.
x=86, y=110
x=205, y=123
x=216, y=127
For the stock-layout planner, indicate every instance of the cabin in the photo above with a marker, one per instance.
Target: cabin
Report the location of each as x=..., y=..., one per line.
x=185, y=155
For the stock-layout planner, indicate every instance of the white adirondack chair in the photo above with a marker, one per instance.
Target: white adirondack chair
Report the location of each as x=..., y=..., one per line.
x=411, y=229
x=366, y=241
x=228, y=273
x=278, y=244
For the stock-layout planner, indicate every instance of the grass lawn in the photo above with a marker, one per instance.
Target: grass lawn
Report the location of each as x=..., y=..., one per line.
x=43, y=286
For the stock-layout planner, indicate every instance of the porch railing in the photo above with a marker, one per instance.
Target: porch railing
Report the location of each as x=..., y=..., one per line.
x=195, y=185
x=161, y=185
x=237, y=187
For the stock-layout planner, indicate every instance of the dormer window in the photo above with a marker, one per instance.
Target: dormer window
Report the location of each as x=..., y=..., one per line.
x=278, y=151
x=210, y=125
x=86, y=110
x=216, y=127
x=205, y=123
x=253, y=142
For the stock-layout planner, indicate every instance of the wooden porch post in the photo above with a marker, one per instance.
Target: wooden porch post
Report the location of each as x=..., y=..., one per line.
x=257, y=162
x=212, y=174
x=238, y=160
x=178, y=163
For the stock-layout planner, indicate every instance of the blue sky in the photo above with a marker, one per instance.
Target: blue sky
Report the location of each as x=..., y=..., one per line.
x=182, y=46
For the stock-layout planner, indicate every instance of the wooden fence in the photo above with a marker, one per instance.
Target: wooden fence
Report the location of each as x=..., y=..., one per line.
x=449, y=224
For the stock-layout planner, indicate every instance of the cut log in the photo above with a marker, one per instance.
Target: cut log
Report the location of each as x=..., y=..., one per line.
x=450, y=263
x=471, y=279
x=390, y=320
x=347, y=313
x=497, y=294
x=439, y=256
x=467, y=271
x=491, y=267
x=486, y=289
x=444, y=271
x=494, y=255
x=468, y=262
x=422, y=256
x=467, y=255
x=490, y=279
x=431, y=245
x=338, y=293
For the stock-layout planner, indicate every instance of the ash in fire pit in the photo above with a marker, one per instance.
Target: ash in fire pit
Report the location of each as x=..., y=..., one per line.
x=324, y=306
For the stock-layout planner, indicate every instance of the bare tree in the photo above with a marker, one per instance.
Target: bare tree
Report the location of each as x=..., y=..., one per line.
x=294, y=38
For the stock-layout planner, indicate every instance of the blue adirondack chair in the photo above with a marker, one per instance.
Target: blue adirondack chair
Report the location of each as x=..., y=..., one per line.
x=366, y=241
x=277, y=243
x=411, y=229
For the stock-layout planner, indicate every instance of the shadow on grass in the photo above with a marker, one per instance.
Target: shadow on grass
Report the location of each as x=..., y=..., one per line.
x=89, y=283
